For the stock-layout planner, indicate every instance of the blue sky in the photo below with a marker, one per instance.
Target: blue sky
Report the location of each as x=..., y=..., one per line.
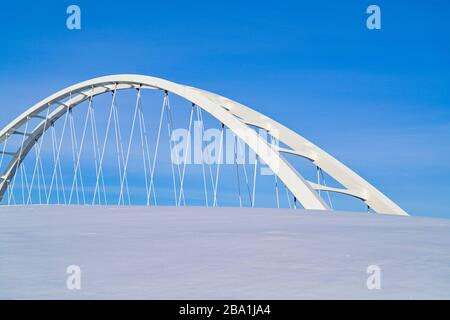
x=379, y=101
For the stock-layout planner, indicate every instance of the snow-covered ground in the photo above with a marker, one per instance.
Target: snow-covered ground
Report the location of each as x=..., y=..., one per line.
x=221, y=253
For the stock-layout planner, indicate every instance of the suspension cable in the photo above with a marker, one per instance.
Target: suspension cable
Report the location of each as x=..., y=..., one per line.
x=54, y=147
x=149, y=159
x=157, y=146
x=288, y=197
x=119, y=146
x=77, y=164
x=38, y=178
x=318, y=179
x=143, y=149
x=129, y=141
x=11, y=194
x=3, y=152
x=78, y=154
x=273, y=142
x=74, y=157
x=57, y=161
x=19, y=160
x=44, y=184
x=24, y=181
x=171, y=150
x=97, y=187
x=325, y=184
x=174, y=145
x=254, y=181
x=200, y=117
x=96, y=149
x=218, y=166
x=202, y=160
x=3, y=155
x=186, y=154
x=245, y=173
x=237, y=173
x=38, y=149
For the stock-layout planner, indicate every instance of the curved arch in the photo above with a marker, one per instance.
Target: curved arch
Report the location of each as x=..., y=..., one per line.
x=354, y=184
x=235, y=116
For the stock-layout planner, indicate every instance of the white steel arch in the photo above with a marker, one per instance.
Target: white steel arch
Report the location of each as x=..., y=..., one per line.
x=233, y=115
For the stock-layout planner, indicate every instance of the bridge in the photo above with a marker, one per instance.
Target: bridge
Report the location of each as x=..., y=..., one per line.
x=62, y=150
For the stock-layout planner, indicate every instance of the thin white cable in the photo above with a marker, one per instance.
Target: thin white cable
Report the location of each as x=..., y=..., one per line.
x=38, y=148
x=204, y=146
x=22, y=183
x=136, y=109
x=53, y=131
x=144, y=158
x=328, y=193
x=19, y=158
x=117, y=139
x=77, y=163
x=149, y=159
x=318, y=179
x=11, y=196
x=96, y=150
x=78, y=154
x=57, y=161
x=74, y=160
x=97, y=186
x=96, y=147
x=218, y=166
x=122, y=153
x=1, y=159
x=254, y=181
x=170, y=117
x=58, y=166
x=3, y=152
x=288, y=197
x=203, y=160
x=44, y=184
x=238, y=140
x=237, y=174
x=171, y=160
x=26, y=179
x=188, y=145
x=276, y=190
x=38, y=177
x=273, y=142
x=163, y=108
